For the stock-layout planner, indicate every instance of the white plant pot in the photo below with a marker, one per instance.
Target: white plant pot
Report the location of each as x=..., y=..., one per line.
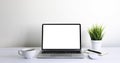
x=96, y=45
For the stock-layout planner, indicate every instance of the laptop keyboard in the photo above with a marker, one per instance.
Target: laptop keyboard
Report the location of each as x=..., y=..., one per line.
x=61, y=56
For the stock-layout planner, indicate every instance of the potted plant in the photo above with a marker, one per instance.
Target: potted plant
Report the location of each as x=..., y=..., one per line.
x=96, y=34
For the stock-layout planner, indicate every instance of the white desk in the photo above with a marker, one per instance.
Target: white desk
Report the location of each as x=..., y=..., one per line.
x=9, y=55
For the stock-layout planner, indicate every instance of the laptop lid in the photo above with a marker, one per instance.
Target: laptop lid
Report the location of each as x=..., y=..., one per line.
x=61, y=38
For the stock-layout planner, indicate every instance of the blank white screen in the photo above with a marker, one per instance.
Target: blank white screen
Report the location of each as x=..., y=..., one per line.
x=61, y=37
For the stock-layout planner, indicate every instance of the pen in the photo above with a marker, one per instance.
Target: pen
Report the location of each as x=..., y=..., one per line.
x=94, y=51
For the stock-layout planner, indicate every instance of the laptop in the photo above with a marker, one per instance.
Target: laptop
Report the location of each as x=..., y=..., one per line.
x=61, y=41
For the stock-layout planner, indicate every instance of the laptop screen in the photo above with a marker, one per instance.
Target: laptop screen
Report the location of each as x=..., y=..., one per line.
x=61, y=36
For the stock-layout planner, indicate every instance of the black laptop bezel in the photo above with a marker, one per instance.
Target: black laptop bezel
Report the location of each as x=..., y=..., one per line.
x=61, y=50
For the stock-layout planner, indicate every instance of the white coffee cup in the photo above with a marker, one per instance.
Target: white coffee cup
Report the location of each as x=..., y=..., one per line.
x=27, y=53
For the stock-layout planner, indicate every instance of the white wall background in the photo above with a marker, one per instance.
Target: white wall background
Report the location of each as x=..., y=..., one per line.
x=20, y=20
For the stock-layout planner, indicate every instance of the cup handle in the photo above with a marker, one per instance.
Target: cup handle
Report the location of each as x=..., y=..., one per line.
x=20, y=52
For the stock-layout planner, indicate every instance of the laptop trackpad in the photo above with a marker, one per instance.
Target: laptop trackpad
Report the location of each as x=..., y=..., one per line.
x=60, y=54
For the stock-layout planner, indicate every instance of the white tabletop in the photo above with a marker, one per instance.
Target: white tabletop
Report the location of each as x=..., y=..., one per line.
x=10, y=55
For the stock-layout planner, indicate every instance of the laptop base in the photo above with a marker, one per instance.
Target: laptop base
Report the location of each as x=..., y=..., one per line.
x=61, y=56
